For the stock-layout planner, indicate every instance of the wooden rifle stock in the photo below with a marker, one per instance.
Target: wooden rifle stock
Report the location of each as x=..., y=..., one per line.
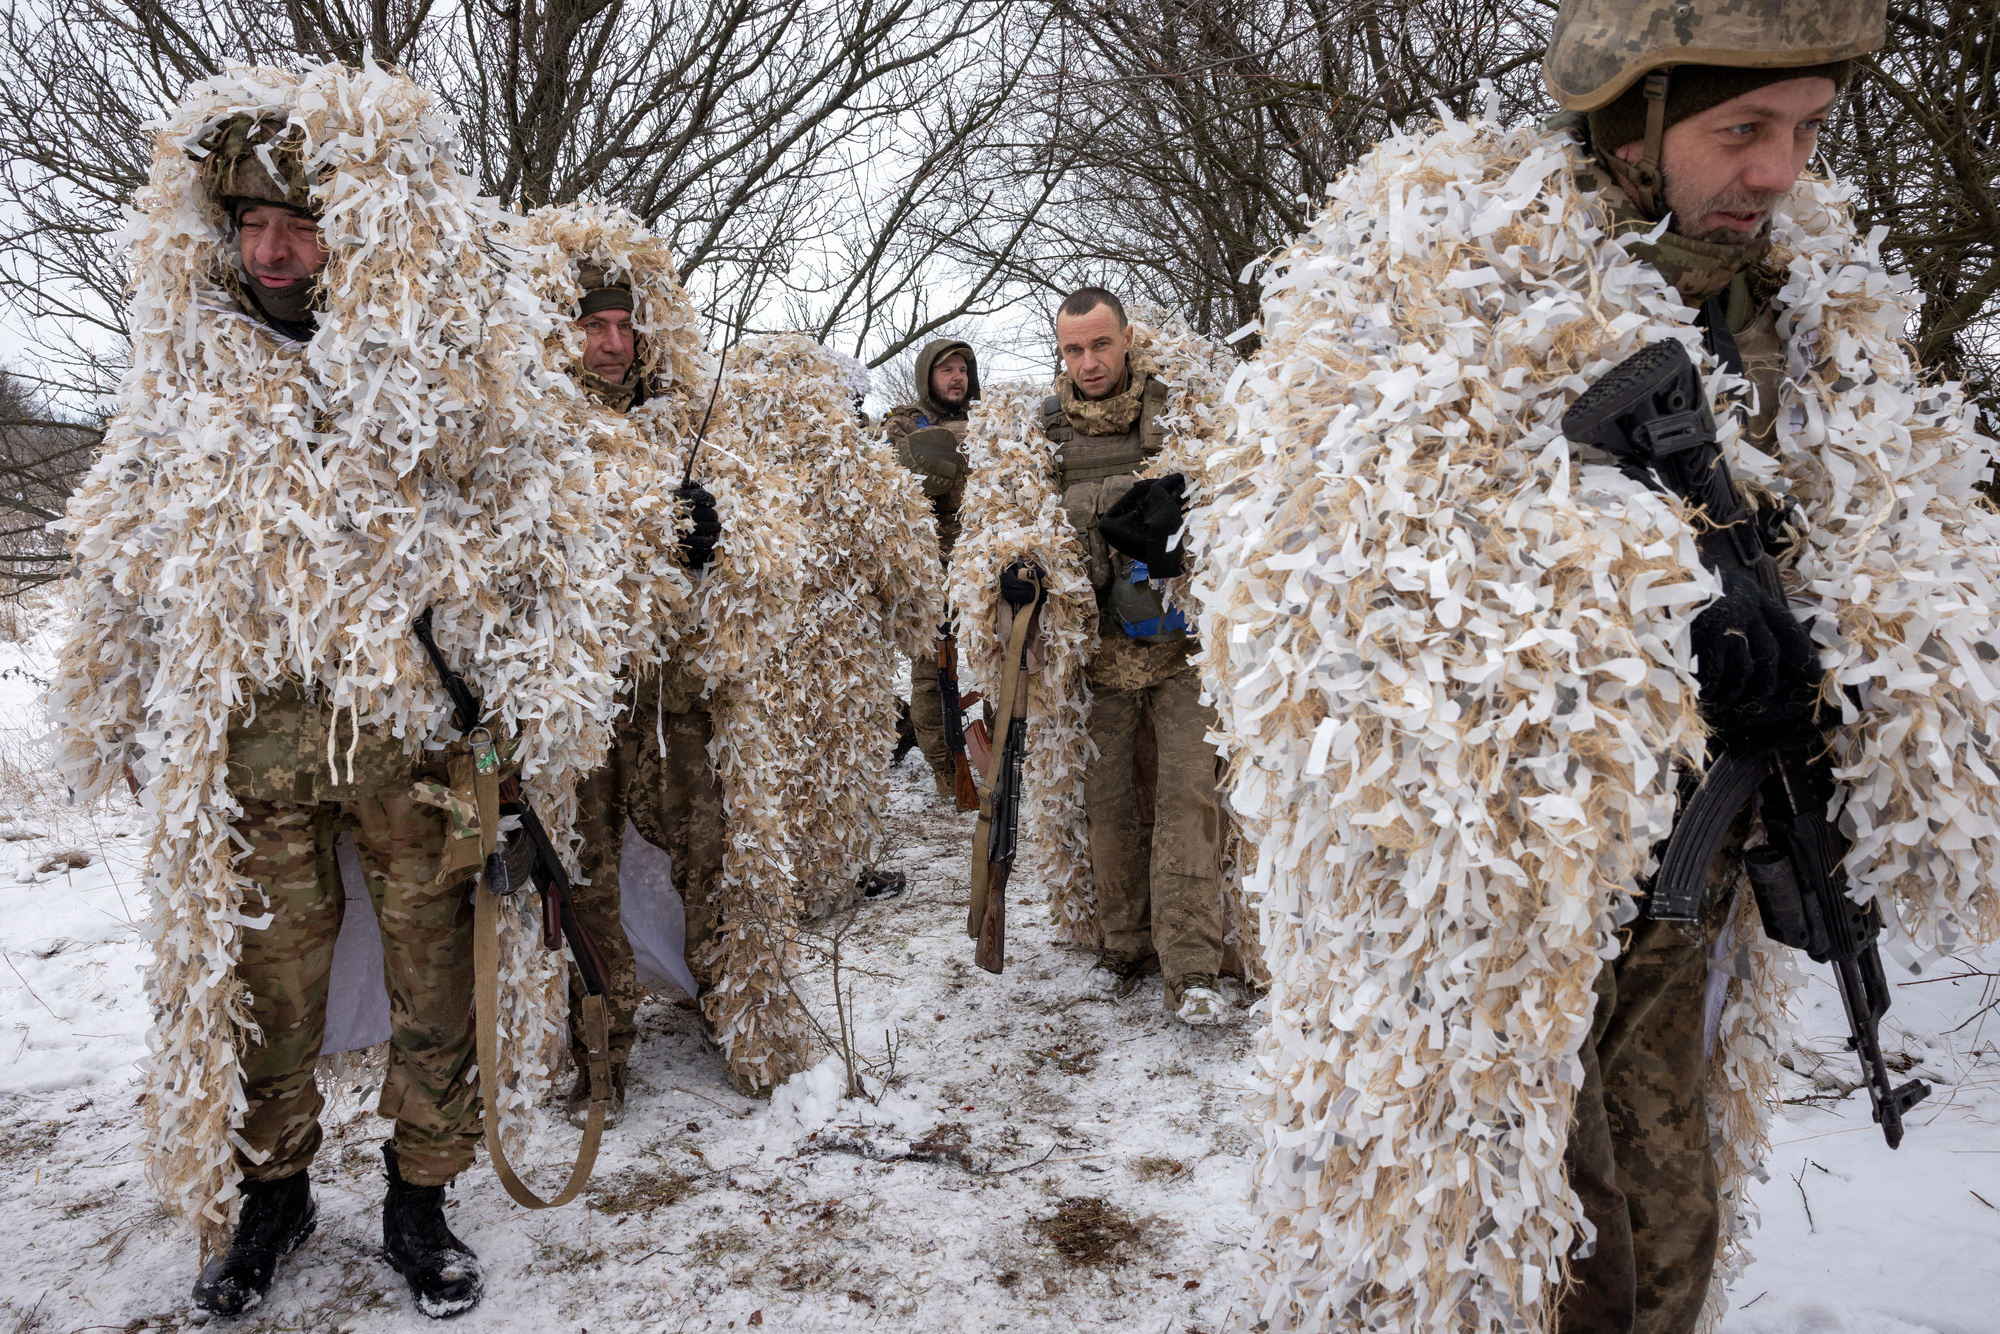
x=991, y=951
x=965, y=791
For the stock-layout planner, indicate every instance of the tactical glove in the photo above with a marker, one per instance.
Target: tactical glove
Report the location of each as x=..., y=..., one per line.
x=1145, y=519
x=1015, y=589
x=698, y=546
x=1758, y=668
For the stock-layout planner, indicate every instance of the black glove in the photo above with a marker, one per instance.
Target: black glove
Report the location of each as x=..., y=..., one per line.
x=1145, y=519
x=1757, y=665
x=1015, y=589
x=698, y=547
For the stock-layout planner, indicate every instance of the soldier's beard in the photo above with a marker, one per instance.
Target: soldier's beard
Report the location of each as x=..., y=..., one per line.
x=1689, y=212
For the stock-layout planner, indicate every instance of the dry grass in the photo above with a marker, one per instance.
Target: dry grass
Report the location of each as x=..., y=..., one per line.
x=1087, y=1232
x=1156, y=1167
x=1071, y=1060
x=645, y=1193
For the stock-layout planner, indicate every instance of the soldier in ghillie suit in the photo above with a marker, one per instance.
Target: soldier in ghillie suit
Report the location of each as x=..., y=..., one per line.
x=1118, y=762
x=307, y=454
x=929, y=436
x=644, y=378
x=1464, y=663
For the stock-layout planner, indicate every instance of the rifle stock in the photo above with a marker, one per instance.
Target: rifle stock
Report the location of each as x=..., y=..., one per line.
x=991, y=951
x=964, y=791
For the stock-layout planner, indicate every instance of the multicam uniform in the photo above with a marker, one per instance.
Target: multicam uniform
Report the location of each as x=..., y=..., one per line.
x=295, y=805
x=659, y=777
x=930, y=441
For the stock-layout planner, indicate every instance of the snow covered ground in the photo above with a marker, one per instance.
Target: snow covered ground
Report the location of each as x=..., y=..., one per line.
x=1040, y=1156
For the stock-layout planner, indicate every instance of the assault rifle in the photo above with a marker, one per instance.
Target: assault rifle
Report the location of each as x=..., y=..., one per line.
x=996, y=838
x=559, y=919
x=1650, y=413
x=954, y=720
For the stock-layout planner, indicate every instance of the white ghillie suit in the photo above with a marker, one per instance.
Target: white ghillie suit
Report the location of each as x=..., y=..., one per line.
x=635, y=472
x=824, y=572
x=1013, y=511
x=266, y=512
x=1454, y=666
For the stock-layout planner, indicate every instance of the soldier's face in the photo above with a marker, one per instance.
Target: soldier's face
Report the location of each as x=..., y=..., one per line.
x=1725, y=168
x=279, y=248
x=1093, y=350
x=608, y=344
x=950, y=380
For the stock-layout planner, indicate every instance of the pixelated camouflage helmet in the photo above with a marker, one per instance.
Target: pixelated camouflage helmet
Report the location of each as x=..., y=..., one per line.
x=255, y=161
x=1599, y=48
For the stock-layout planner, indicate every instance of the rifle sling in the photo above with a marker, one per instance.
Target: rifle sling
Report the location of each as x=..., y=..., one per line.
x=486, y=1027
x=982, y=834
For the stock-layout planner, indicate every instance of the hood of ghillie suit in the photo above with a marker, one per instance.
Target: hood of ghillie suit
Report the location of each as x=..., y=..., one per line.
x=1013, y=511
x=267, y=512
x=824, y=573
x=562, y=247
x=1452, y=662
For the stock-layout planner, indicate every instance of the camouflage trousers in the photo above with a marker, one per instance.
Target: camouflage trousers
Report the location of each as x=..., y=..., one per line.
x=1638, y=1153
x=430, y=1091
x=927, y=719
x=660, y=777
x=1155, y=854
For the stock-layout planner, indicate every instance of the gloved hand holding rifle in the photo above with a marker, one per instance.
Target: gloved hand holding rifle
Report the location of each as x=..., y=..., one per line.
x=1760, y=680
x=996, y=837
x=497, y=798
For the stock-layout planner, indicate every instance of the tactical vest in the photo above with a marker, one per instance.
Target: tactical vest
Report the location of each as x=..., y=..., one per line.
x=1084, y=458
x=1083, y=464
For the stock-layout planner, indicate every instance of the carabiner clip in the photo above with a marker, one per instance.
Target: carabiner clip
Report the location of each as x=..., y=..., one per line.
x=485, y=754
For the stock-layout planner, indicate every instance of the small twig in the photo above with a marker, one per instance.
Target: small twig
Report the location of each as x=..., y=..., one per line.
x=1800, y=1182
x=1982, y=1199
x=1948, y=977
x=741, y=1116
x=1995, y=1005
x=657, y=1250
x=1754, y=1300
x=920, y=1151
x=31, y=991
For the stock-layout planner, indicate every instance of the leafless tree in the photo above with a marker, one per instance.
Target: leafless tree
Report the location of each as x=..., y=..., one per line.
x=41, y=458
x=1919, y=136
x=784, y=145
x=1163, y=146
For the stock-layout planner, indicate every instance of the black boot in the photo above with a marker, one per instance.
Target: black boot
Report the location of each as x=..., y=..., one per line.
x=276, y=1216
x=443, y=1272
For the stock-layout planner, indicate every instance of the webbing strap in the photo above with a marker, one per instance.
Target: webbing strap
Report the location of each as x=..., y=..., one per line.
x=486, y=1024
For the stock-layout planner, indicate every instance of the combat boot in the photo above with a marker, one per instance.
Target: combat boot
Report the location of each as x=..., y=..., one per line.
x=443, y=1272
x=1127, y=971
x=577, y=1108
x=276, y=1216
x=1200, y=1003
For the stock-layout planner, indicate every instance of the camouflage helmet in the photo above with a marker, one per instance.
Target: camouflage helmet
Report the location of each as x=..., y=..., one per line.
x=603, y=290
x=1599, y=48
x=257, y=161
